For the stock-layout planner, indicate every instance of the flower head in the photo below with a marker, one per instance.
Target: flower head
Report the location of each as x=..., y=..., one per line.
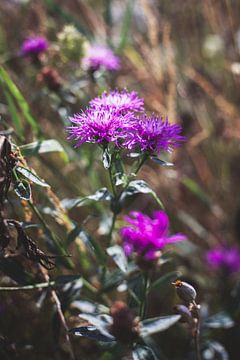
x=99, y=126
x=224, y=257
x=152, y=134
x=147, y=236
x=34, y=46
x=120, y=100
x=101, y=57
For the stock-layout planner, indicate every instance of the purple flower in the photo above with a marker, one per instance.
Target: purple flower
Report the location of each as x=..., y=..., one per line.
x=34, y=46
x=147, y=236
x=152, y=134
x=99, y=126
x=224, y=257
x=101, y=57
x=120, y=100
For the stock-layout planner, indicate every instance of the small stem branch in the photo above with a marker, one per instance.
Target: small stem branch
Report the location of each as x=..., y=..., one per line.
x=60, y=314
x=197, y=332
x=28, y=287
x=143, y=304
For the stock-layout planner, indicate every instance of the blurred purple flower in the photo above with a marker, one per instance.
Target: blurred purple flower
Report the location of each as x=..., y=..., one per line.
x=120, y=100
x=147, y=236
x=224, y=257
x=99, y=126
x=34, y=45
x=101, y=57
x=152, y=134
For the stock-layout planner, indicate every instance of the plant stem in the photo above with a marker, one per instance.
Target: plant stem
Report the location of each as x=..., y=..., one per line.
x=52, y=236
x=143, y=304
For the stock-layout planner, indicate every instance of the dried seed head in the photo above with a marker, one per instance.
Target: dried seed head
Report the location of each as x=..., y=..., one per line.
x=125, y=326
x=185, y=291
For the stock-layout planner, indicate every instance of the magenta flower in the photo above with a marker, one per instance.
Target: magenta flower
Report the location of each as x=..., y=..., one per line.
x=122, y=101
x=99, y=126
x=34, y=46
x=151, y=134
x=147, y=236
x=101, y=57
x=224, y=257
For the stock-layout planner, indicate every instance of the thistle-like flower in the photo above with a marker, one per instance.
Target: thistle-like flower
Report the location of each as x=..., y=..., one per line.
x=224, y=257
x=122, y=101
x=151, y=134
x=34, y=46
x=100, y=57
x=147, y=236
x=99, y=126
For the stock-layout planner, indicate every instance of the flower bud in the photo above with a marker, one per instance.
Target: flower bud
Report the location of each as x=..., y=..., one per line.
x=125, y=326
x=51, y=78
x=185, y=291
x=72, y=44
x=186, y=316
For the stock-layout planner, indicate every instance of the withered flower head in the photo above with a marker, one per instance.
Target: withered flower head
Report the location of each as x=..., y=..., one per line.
x=125, y=326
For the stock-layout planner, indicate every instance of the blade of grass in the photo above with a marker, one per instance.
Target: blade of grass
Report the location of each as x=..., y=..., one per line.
x=22, y=104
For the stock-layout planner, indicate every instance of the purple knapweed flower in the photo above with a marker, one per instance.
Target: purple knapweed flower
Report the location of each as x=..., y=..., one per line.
x=34, y=46
x=122, y=101
x=224, y=257
x=151, y=134
x=99, y=126
x=100, y=57
x=147, y=236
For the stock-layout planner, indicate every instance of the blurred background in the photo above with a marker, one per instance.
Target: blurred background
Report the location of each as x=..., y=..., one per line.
x=183, y=57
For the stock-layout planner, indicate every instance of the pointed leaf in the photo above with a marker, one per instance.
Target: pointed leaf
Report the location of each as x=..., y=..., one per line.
x=118, y=256
x=23, y=190
x=140, y=186
x=31, y=176
x=106, y=158
x=42, y=147
x=91, y=332
x=161, y=162
x=100, y=195
x=219, y=320
x=152, y=326
x=141, y=352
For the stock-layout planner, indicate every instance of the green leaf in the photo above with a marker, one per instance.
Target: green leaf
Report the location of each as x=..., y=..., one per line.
x=154, y=325
x=14, y=114
x=126, y=23
x=140, y=186
x=91, y=332
x=141, y=352
x=164, y=280
x=161, y=162
x=214, y=351
x=100, y=195
x=23, y=190
x=42, y=147
x=192, y=186
x=106, y=158
x=220, y=320
x=23, y=105
x=31, y=176
x=118, y=256
x=93, y=245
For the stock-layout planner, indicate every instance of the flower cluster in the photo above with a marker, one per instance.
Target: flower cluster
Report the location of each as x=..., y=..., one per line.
x=122, y=101
x=119, y=117
x=100, y=57
x=33, y=46
x=147, y=236
x=99, y=125
x=224, y=257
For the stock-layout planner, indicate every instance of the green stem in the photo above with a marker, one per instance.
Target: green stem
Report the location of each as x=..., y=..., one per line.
x=52, y=236
x=143, y=304
x=28, y=287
